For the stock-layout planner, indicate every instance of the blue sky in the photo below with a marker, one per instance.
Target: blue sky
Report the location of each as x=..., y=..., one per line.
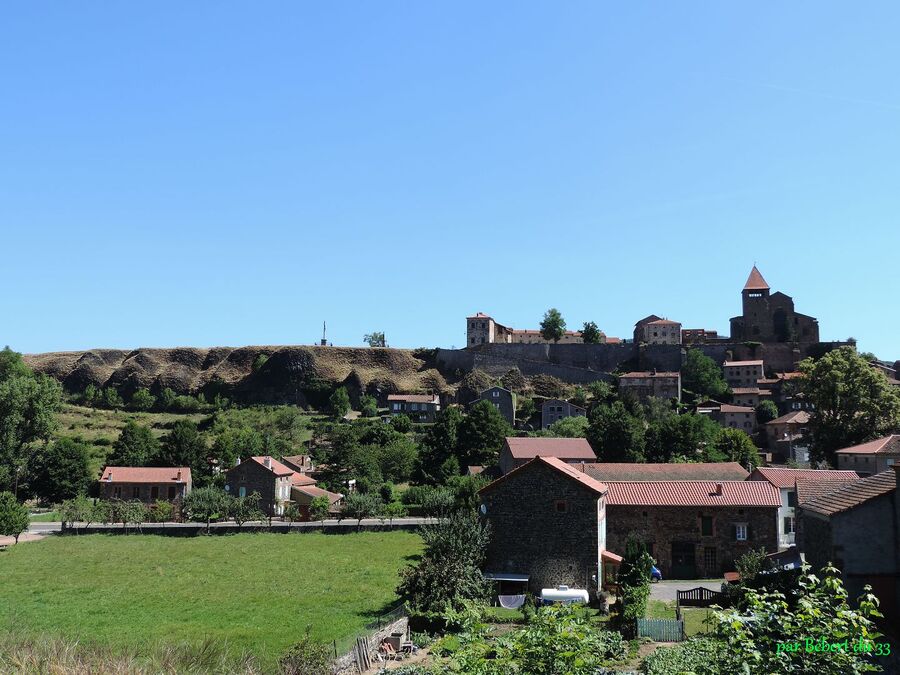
x=235, y=173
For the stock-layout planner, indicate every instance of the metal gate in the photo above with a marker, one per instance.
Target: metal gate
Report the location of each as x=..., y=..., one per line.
x=661, y=630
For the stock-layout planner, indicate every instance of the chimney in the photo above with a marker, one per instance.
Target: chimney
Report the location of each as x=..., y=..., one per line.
x=109, y=477
x=178, y=476
x=718, y=491
x=268, y=462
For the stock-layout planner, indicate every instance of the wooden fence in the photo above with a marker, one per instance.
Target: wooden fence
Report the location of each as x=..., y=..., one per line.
x=661, y=630
x=699, y=597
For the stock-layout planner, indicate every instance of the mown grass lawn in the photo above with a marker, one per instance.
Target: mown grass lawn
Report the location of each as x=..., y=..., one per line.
x=694, y=617
x=258, y=592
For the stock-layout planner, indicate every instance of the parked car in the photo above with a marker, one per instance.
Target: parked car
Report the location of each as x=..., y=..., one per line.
x=655, y=574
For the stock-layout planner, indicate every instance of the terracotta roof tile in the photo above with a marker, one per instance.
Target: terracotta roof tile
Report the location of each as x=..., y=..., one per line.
x=623, y=471
x=783, y=477
x=794, y=417
x=888, y=445
x=566, y=469
x=745, y=390
x=807, y=490
x=313, y=491
x=299, y=479
x=566, y=448
x=275, y=466
x=743, y=364
x=726, y=408
x=693, y=493
x=414, y=398
x=146, y=474
x=853, y=494
x=755, y=281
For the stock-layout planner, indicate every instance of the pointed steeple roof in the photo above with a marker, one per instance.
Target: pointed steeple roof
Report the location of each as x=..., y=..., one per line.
x=755, y=281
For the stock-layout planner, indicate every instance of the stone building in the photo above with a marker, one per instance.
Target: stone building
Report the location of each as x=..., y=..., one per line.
x=856, y=527
x=643, y=385
x=146, y=484
x=770, y=318
x=750, y=396
x=555, y=409
x=548, y=526
x=872, y=457
x=653, y=330
x=267, y=476
x=503, y=400
x=699, y=336
x=740, y=374
x=693, y=528
x=519, y=451
x=736, y=417
x=418, y=407
x=482, y=329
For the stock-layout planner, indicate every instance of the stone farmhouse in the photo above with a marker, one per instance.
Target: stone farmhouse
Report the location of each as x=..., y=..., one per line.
x=743, y=373
x=418, y=407
x=268, y=477
x=654, y=330
x=857, y=528
x=146, y=484
x=643, y=385
x=554, y=409
x=793, y=484
x=872, y=457
x=518, y=451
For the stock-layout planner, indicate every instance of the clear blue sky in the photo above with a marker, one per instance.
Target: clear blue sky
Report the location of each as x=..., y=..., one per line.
x=217, y=173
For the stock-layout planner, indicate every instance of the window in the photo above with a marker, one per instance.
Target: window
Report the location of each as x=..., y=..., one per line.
x=117, y=492
x=706, y=526
x=495, y=394
x=242, y=491
x=561, y=506
x=740, y=531
x=397, y=405
x=154, y=492
x=136, y=492
x=172, y=492
x=709, y=559
x=788, y=525
x=792, y=498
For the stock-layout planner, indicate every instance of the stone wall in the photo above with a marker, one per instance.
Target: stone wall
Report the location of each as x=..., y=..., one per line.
x=529, y=535
x=662, y=525
x=347, y=664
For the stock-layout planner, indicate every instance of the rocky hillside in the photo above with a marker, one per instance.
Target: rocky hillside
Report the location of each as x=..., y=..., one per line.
x=289, y=374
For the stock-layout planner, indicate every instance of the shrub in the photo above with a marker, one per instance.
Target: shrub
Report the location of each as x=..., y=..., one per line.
x=697, y=655
x=307, y=657
x=13, y=516
x=161, y=512
x=401, y=423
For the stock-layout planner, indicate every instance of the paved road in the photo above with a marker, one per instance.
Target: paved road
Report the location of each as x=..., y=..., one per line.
x=47, y=528
x=44, y=528
x=665, y=590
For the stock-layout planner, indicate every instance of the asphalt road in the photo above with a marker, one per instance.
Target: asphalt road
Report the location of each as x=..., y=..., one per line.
x=47, y=528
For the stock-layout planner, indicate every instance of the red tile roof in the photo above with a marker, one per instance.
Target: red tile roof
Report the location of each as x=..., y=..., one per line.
x=625, y=471
x=745, y=390
x=887, y=445
x=743, y=364
x=693, y=493
x=726, y=408
x=567, y=448
x=313, y=491
x=794, y=417
x=755, y=281
x=146, y=474
x=853, y=494
x=414, y=398
x=664, y=322
x=782, y=477
x=275, y=466
x=566, y=469
x=807, y=490
x=299, y=479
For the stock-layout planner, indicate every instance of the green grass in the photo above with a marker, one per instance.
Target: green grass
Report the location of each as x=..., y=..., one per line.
x=693, y=616
x=49, y=517
x=257, y=592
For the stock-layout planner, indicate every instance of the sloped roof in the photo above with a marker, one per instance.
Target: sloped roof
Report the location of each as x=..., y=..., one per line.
x=755, y=281
x=808, y=490
x=146, y=474
x=783, y=477
x=887, y=445
x=567, y=448
x=648, y=373
x=743, y=364
x=745, y=390
x=313, y=491
x=300, y=479
x=850, y=495
x=664, y=322
x=693, y=493
x=275, y=466
x=728, y=408
x=566, y=469
x=793, y=417
x=414, y=398
x=626, y=471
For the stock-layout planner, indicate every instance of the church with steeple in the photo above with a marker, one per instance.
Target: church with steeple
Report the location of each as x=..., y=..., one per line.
x=769, y=318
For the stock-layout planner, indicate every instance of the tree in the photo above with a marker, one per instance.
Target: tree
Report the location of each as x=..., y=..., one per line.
x=375, y=339
x=449, y=571
x=766, y=411
x=259, y=362
x=770, y=631
x=12, y=365
x=525, y=408
x=553, y=326
x=368, y=406
x=28, y=407
x=439, y=445
x=167, y=399
x=136, y=446
x=393, y=510
x=111, y=398
x=736, y=446
x=142, y=399
x=244, y=509
x=319, y=507
x=853, y=402
x=357, y=505
x=683, y=438
x=634, y=583
x=615, y=434
x=570, y=427
x=81, y=509
x=590, y=334
x=205, y=504
x=60, y=471
x=438, y=502
x=401, y=423
x=339, y=403
x=13, y=516
x=184, y=446
x=701, y=375
x=481, y=435
x=397, y=459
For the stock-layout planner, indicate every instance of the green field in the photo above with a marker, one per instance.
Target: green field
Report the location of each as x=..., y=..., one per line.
x=256, y=592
